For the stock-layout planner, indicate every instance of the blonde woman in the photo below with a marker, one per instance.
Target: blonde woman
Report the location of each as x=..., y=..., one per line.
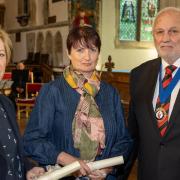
x=13, y=165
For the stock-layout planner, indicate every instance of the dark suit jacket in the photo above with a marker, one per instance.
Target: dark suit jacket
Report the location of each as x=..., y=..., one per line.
x=20, y=77
x=158, y=157
x=8, y=106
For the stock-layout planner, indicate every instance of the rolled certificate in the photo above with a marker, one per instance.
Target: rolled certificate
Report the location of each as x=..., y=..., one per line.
x=105, y=163
x=68, y=169
x=62, y=172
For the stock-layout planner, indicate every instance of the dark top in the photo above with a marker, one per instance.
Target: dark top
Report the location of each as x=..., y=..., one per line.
x=9, y=144
x=49, y=130
x=9, y=114
x=158, y=157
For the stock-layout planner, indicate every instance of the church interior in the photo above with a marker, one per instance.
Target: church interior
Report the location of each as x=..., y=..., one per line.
x=38, y=30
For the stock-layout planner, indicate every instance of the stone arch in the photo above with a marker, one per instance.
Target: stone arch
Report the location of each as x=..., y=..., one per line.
x=30, y=41
x=40, y=43
x=58, y=50
x=49, y=46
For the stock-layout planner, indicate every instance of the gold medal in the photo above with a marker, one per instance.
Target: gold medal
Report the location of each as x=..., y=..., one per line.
x=160, y=113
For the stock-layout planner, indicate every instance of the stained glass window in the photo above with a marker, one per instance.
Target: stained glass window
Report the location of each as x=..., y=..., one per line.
x=136, y=17
x=128, y=22
x=149, y=11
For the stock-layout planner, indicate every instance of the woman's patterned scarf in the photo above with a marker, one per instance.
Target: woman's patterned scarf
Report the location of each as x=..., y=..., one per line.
x=87, y=127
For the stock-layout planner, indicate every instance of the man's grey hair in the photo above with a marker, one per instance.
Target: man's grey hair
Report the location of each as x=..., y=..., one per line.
x=166, y=10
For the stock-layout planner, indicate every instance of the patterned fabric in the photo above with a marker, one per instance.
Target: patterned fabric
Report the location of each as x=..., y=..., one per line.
x=164, y=107
x=88, y=127
x=9, y=145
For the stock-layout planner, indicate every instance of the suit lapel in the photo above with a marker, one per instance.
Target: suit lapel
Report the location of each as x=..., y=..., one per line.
x=152, y=80
x=175, y=113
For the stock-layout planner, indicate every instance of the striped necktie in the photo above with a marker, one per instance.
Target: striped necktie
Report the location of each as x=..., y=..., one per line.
x=162, y=109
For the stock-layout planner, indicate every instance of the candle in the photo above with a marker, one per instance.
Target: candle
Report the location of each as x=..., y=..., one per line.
x=32, y=77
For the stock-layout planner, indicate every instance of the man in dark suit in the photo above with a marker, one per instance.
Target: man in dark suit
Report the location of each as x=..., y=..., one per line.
x=20, y=76
x=154, y=114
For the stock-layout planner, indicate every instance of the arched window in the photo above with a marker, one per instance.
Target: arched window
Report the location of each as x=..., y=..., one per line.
x=49, y=46
x=40, y=43
x=58, y=50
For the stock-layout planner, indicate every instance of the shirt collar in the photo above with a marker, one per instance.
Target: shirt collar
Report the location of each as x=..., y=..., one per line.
x=165, y=64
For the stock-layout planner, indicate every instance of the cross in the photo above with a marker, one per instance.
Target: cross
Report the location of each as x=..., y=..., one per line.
x=109, y=65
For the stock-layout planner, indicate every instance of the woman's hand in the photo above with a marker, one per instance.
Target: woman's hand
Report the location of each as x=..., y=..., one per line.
x=100, y=174
x=65, y=159
x=34, y=172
